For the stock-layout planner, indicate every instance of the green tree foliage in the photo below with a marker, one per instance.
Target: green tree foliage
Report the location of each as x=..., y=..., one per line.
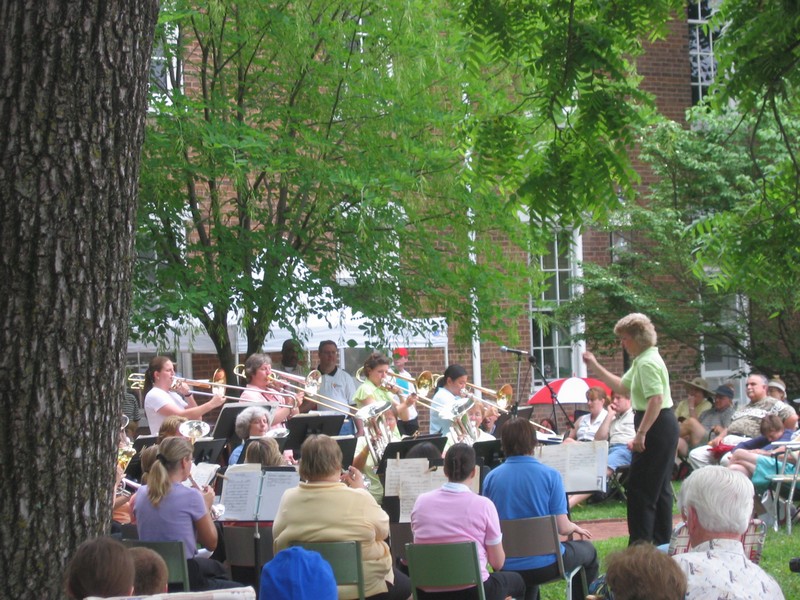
x=719, y=188
x=327, y=154
x=313, y=157
x=575, y=103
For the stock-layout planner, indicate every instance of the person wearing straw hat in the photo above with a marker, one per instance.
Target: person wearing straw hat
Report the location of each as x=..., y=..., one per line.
x=776, y=388
x=698, y=400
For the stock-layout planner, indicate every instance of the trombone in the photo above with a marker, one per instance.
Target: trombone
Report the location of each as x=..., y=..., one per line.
x=217, y=387
x=504, y=397
x=313, y=380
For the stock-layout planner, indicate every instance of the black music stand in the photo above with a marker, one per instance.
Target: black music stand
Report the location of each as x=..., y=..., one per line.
x=225, y=427
x=301, y=426
x=490, y=452
x=523, y=412
x=208, y=451
x=281, y=445
x=134, y=469
x=347, y=444
x=399, y=449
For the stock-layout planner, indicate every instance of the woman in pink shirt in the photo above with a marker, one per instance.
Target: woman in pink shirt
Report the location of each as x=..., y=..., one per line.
x=454, y=513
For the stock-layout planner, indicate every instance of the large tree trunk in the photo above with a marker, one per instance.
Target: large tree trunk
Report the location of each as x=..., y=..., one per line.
x=73, y=90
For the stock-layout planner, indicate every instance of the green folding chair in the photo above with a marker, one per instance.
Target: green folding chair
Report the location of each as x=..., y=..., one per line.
x=173, y=554
x=444, y=565
x=538, y=536
x=345, y=560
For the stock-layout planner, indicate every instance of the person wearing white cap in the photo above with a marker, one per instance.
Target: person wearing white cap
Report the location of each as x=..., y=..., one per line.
x=777, y=388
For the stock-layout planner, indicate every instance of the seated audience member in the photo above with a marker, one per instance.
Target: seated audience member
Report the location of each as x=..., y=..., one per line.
x=697, y=401
x=777, y=388
x=151, y=572
x=746, y=422
x=586, y=426
x=253, y=421
x=524, y=487
x=618, y=429
x=716, y=503
x=698, y=431
x=454, y=513
x=642, y=572
x=265, y=451
x=760, y=464
x=772, y=431
x=330, y=506
x=100, y=567
x=166, y=510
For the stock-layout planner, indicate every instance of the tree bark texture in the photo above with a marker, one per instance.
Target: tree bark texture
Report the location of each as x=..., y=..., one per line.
x=73, y=89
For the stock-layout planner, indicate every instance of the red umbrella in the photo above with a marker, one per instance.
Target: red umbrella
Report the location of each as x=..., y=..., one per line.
x=569, y=389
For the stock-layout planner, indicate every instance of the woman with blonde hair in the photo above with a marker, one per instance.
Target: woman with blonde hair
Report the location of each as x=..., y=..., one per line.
x=646, y=383
x=264, y=451
x=329, y=506
x=166, y=510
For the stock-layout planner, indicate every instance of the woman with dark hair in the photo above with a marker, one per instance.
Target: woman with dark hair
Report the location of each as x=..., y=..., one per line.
x=261, y=388
x=329, y=506
x=378, y=387
x=253, y=421
x=523, y=487
x=100, y=567
x=166, y=510
x=646, y=383
x=454, y=513
x=161, y=401
x=448, y=391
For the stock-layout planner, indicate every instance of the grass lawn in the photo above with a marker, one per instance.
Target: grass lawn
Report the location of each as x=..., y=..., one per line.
x=778, y=549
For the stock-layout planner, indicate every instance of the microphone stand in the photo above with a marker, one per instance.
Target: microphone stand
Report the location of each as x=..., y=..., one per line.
x=553, y=396
x=515, y=405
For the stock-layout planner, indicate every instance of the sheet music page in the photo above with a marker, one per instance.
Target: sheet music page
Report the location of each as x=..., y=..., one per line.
x=399, y=468
x=240, y=493
x=582, y=465
x=202, y=474
x=415, y=481
x=273, y=485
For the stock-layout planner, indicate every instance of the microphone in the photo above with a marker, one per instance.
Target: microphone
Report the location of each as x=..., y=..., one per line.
x=512, y=351
x=532, y=359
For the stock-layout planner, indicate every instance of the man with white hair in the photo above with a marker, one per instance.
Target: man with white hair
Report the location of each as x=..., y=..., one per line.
x=716, y=504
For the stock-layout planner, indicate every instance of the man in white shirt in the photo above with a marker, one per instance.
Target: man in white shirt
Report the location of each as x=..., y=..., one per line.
x=336, y=383
x=716, y=504
x=617, y=427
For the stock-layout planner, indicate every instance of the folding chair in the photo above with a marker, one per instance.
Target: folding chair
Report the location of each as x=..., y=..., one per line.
x=173, y=554
x=752, y=540
x=537, y=536
x=792, y=455
x=345, y=560
x=400, y=534
x=240, y=549
x=444, y=565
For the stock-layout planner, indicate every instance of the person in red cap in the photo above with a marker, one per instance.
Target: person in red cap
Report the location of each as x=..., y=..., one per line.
x=400, y=357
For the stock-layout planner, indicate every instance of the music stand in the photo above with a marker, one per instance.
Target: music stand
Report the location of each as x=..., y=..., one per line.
x=490, y=452
x=399, y=449
x=207, y=451
x=301, y=426
x=225, y=427
x=134, y=469
x=523, y=412
x=281, y=445
x=347, y=444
